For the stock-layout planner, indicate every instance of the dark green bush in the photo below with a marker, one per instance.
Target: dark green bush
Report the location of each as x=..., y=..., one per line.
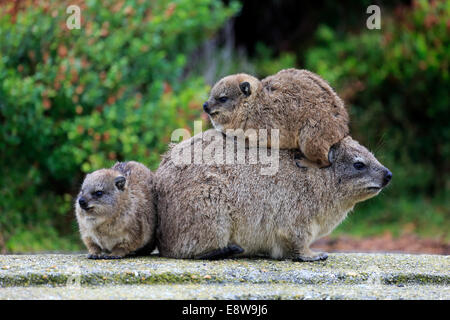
x=396, y=85
x=72, y=101
x=395, y=82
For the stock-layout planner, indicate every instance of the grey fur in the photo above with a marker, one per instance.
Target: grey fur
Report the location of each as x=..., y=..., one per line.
x=123, y=220
x=202, y=208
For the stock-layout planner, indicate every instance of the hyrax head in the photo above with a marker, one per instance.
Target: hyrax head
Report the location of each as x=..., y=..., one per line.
x=358, y=175
x=100, y=192
x=228, y=97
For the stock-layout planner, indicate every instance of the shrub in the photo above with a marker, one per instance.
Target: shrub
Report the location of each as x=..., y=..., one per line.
x=395, y=82
x=73, y=101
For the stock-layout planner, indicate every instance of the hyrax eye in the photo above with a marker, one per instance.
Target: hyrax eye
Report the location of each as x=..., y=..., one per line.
x=223, y=99
x=359, y=165
x=98, y=194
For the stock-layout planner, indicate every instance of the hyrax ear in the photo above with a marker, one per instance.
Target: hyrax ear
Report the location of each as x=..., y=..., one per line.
x=245, y=88
x=332, y=154
x=120, y=182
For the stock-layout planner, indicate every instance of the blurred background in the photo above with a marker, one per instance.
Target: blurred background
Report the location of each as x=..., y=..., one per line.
x=73, y=101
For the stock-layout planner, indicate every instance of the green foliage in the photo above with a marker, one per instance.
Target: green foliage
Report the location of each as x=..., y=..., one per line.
x=73, y=101
x=267, y=64
x=424, y=217
x=395, y=82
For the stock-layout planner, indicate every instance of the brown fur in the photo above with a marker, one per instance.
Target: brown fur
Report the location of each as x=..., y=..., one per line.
x=121, y=221
x=302, y=105
x=202, y=208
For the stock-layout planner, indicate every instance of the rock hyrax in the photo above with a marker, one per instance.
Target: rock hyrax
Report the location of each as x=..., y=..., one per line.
x=116, y=213
x=309, y=114
x=213, y=211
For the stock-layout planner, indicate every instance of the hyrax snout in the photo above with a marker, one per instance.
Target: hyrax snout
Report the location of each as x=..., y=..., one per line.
x=213, y=211
x=300, y=104
x=116, y=213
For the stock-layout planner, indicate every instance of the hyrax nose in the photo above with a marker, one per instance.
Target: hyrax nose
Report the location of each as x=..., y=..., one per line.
x=387, y=177
x=206, y=107
x=83, y=203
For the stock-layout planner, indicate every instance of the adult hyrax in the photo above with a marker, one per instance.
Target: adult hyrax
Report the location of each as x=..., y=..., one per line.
x=116, y=213
x=213, y=211
x=309, y=114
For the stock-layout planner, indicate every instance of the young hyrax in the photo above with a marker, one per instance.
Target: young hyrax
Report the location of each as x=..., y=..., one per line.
x=308, y=113
x=116, y=213
x=214, y=211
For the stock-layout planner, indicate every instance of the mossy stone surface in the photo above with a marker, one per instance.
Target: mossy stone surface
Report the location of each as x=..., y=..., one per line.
x=342, y=276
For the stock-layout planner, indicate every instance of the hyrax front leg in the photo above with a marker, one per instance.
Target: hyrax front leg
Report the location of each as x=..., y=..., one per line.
x=307, y=255
x=302, y=162
x=302, y=251
x=94, y=250
x=118, y=252
x=314, y=145
x=96, y=253
x=316, y=153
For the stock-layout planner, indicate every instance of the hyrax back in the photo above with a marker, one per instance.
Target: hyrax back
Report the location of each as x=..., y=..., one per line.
x=205, y=209
x=306, y=110
x=116, y=213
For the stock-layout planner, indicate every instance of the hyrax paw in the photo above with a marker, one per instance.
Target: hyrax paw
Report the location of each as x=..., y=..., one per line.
x=103, y=257
x=322, y=165
x=318, y=257
x=108, y=257
x=304, y=163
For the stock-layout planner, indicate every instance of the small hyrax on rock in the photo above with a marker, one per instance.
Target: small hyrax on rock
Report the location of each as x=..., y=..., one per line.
x=301, y=105
x=116, y=213
x=214, y=211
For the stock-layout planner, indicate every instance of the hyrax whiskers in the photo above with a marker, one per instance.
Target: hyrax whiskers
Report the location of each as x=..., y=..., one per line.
x=309, y=114
x=116, y=213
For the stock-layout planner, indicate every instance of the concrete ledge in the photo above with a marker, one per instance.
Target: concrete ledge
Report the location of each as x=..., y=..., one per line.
x=342, y=276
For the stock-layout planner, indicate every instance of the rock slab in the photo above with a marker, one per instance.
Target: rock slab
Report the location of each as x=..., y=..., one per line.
x=342, y=276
